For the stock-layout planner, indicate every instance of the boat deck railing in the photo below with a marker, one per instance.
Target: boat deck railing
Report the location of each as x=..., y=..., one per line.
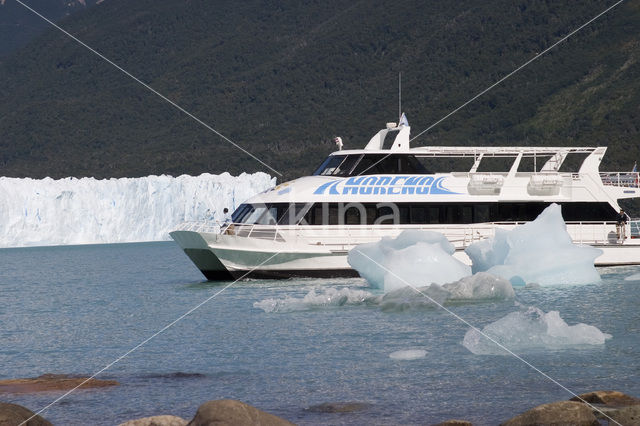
x=624, y=179
x=345, y=237
x=205, y=226
x=634, y=228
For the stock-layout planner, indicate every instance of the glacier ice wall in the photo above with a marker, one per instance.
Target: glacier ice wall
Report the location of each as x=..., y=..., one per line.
x=81, y=211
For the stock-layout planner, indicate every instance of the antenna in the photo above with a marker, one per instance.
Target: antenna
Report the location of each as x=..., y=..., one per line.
x=399, y=96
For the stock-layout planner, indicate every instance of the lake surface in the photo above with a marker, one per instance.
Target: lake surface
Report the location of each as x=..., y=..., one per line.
x=75, y=309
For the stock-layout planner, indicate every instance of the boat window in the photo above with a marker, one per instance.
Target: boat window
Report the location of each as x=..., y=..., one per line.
x=450, y=213
x=385, y=213
x=352, y=216
x=446, y=164
x=419, y=214
x=533, y=164
x=481, y=213
x=254, y=215
x=573, y=162
x=241, y=213
x=329, y=165
x=337, y=165
x=377, y=164
x=291, y=214
x=496, y=164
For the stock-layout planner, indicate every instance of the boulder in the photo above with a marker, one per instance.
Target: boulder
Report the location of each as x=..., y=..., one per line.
x=229, y=412
x=13, y=415
x=338, y=407
x=556, y=414
x=156, y=421
x=51, y=382
x=454, y=422
x=608, y=398
x=625, y=416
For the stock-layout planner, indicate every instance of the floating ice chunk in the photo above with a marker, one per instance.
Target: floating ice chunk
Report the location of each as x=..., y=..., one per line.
x=532, y=330
x=408, y=354
x=315, y=299
x=634, y=277
x=413, y=258
x=540, y=251
x=409, y=298
x=480, y=286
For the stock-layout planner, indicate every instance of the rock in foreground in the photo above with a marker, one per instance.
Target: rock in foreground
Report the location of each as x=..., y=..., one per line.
x=556, y=414
x=51, y=382
x=608, y=398
x=13, y=415
x=232, y=412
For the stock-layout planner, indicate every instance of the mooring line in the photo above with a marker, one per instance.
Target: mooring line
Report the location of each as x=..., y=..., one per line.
x=148, y=87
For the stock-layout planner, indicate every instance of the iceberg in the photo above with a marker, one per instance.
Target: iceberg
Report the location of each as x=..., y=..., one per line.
x=480, y=286
x=87, y=210
x=530, y=330
x=537, y=252
x=414, y=257
x=476, y=288
x=408, y=354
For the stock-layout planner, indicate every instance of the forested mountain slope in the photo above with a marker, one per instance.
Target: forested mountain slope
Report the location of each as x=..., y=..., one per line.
x=18, y=25
x=281, y=78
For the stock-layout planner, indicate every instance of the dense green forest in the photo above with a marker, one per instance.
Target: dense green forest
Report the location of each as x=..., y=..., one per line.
x=18, y=25
x=282, y=78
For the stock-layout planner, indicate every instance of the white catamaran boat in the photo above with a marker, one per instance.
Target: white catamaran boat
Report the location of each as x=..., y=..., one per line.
x=306, y=227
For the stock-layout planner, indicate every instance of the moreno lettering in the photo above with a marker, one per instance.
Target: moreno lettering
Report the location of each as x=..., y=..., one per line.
x=385, y=185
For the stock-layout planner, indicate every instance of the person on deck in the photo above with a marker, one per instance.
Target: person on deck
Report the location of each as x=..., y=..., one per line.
x=621, y=224
x=227, y=222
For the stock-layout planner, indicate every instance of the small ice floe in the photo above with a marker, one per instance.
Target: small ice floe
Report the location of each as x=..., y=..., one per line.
x=408, y=354
x=532, y=329
x=634, y=277
x=415, y=258
x=315, y=299
x=540, y=251
x=479, y=287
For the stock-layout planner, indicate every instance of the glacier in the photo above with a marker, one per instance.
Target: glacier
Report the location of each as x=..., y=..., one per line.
x=39, y=212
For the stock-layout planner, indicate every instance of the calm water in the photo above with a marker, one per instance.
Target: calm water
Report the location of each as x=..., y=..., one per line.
x=75, y=309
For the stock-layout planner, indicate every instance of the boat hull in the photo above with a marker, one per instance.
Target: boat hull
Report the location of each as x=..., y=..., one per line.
x=227, y=257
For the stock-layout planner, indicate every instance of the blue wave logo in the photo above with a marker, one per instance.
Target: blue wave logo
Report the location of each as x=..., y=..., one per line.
x=385, y=185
